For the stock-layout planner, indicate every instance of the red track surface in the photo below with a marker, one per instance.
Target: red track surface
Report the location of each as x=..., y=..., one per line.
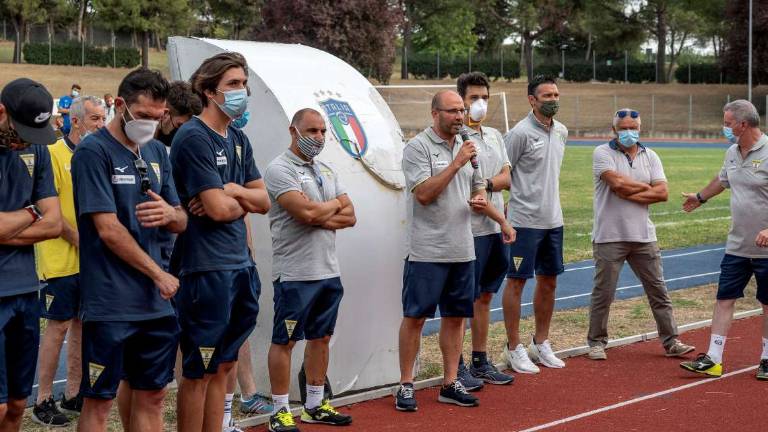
x=734, y=403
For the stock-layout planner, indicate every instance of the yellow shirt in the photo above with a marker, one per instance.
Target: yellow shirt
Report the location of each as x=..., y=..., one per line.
x=57, y=257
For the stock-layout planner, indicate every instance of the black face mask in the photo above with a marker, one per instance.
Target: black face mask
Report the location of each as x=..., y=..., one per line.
x=166, y=139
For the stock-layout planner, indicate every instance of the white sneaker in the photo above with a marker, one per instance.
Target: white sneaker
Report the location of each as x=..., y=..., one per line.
x=518, y=360
x=542, y=353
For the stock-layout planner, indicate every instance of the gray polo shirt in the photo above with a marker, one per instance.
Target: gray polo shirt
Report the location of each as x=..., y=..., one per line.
x=535, y=155
x=618, y=219
x=748, y=180
x=492, y=157
x=440, y=231
x=301, y=252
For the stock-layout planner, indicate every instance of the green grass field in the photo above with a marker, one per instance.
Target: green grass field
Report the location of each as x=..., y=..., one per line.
x=687, y=170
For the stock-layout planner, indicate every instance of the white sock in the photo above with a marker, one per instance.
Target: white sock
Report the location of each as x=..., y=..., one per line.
x=314, y=396
x=716, y=345
x=279, y=401
x=227, y=409
x=764, y=355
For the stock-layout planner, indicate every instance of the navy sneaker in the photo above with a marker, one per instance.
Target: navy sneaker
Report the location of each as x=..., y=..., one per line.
x=466, y=379
x=489, y=374
x=456, y=394
x=405, y=399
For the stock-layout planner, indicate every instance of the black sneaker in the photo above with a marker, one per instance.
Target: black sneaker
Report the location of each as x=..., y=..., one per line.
x=456, y=394
x=466, y=379
x=405, y=399
x=762, y=370
x=282, y=421
x=46, y=413
x=488, y=373
x=325, y=414
x=71, y=406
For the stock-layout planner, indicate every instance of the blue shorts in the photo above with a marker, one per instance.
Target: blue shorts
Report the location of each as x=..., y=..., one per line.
x=305, y=309
x=19, y=343
x=491, y=263
x=536, y=251
x=217, y=312
x=60, y=298
x=427, y=285
x=735, y=272
x=141, y=352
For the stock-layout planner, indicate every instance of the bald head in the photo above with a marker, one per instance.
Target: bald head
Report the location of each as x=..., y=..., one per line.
x=443, y=98
x=298, y=118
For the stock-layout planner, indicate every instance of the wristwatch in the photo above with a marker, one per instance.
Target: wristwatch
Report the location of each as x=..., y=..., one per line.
x=698, y=197
x=34, y=212
x=489, y=185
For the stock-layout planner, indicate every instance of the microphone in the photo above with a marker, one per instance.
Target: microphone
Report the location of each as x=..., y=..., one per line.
x=465, y=137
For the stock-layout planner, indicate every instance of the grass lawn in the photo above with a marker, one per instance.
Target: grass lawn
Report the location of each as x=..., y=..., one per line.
x=687, y=170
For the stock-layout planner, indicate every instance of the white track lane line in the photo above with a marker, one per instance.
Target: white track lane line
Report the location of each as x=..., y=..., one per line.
x=590, y=293
x=636, y=400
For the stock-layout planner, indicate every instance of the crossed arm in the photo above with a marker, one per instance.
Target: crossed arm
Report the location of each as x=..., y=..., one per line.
x=18, y=229
x=334, y=214
x=231, y=202
x=635, y=191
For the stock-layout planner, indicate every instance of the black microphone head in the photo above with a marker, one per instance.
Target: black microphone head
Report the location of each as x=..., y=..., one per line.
x=464, y=132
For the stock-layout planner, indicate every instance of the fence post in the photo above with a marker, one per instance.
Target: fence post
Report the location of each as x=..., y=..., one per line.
x=594, y=68
x=82, y=52
x=626, y=66
x=114, y=54
x=728, y=99
x=689, y=73
x=506, y=116
x=615, y=103
x=653, y=113
x=438, y=63
x=470, y=60
x=501, y=61
x=690, y=115
x=50, y=42
x=5, y=34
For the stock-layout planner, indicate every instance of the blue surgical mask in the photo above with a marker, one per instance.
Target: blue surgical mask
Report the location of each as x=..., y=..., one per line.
x=728, y=132
x=75, y=93
x=629, y=137
x=235, y=103
x=242, y=121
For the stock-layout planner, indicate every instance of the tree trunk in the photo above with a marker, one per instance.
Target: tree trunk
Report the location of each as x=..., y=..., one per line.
x=528, y=53
x=409, y=12
x=158, y=42
x=145, y=48
x=80, y=19
x=18, y=27
x=589, y=47
x=661, y=47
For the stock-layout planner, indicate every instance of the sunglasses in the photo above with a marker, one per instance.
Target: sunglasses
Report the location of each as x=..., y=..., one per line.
x=142, y=168
x=632, y=113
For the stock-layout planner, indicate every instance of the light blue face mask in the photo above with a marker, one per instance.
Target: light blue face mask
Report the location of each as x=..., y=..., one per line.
x=629, y=137
x=728, y=133
x=235, y=103
x=242, y=121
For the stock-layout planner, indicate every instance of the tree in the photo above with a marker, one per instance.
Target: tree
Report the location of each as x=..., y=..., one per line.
x=610, y=26
x=145, y=17
x=21, y=13
x=359, y=32
x=240, y=16
x=735, y=55
x=712, y=29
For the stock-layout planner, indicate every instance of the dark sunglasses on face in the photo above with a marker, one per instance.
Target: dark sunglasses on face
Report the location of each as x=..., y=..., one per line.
x=621, y=114
x=141, y=167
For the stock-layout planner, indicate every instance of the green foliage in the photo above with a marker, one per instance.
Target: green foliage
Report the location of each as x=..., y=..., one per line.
x=444, y=25
x=71, y=54
x=580, y=71
x=424, y=66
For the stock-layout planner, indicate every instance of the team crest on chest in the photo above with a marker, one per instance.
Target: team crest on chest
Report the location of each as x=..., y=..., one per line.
x=156, y=169
x=29, y=161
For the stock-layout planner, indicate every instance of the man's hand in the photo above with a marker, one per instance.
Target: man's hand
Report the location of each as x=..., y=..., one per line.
x=691, y=202
x=167, y=284
x=468, y=149
x=155, y=213
x=478, y=203
x=195, y=207
x=762, y=238
x=508, y=234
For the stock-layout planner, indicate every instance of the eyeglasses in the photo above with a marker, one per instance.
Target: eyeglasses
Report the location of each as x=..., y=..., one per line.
x=632, y=113
x=141, y=167
x=453, y=111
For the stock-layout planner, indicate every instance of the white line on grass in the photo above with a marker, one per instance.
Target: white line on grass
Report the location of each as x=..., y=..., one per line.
x=590, y=293
x=636, y=400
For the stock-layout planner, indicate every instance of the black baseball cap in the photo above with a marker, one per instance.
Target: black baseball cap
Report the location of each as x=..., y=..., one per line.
x=29, y=106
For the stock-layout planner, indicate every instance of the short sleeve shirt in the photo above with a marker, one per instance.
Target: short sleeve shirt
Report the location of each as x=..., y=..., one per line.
x=747, y=178
x=301, y=252
x=26, y=177
x=107, y=181
x=535, y=155
x=65, y=102
x=492, y=157
x=440, y=231
x=202, y=159
x=617, y=219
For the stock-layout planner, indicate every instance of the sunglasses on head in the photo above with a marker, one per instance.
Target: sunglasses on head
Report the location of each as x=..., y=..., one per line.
x=632, y=113
x=141, y=167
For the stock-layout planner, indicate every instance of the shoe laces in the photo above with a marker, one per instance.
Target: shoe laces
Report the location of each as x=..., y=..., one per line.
x=520, y=353
x=285, y=417
x=406, y=391
x=459, y=387
x=545, y=349
x=326, y=406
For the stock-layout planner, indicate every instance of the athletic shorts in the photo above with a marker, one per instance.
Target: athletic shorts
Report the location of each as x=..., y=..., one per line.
x=305, y=309
x=427, y=285
x=19, y=343
x=491, y=263
x=60, y=298
x=536, y=252
x=735, y=272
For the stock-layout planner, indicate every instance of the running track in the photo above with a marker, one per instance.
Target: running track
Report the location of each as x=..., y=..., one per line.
x=636, y=389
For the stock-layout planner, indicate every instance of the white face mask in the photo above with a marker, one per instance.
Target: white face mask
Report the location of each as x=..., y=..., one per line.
x=478, y=110
x=140, y=131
